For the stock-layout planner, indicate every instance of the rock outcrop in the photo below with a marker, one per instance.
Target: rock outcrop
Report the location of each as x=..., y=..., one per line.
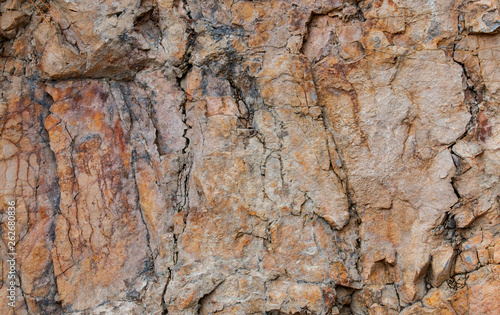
x=251, y=157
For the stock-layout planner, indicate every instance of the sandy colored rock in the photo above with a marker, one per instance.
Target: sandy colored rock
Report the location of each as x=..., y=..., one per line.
x=11, y=21
x=251, y=157
x=442, y=263
x=482, y=17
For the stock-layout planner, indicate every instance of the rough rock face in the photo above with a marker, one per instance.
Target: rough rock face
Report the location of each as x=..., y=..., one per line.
x=251, y=157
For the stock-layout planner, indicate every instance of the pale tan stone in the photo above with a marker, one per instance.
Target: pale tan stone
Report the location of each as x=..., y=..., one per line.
x=482, y=17
x=251, y=157
x=11, y=21
x=442, y=263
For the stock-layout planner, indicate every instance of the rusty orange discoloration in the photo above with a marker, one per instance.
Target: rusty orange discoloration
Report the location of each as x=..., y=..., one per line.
x=51, y=121
x=484, y=129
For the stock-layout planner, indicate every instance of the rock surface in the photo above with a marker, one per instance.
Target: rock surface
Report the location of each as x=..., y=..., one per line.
x=251, y=157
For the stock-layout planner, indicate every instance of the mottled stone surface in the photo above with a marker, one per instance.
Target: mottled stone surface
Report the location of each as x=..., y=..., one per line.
x=251, y=157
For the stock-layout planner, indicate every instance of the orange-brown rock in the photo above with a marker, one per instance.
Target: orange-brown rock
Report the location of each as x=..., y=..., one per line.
x=251, y=157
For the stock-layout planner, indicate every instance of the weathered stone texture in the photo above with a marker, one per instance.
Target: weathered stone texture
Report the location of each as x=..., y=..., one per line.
x=251, y=157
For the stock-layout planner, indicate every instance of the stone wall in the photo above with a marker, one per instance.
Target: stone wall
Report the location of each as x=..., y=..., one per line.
x=251, y=157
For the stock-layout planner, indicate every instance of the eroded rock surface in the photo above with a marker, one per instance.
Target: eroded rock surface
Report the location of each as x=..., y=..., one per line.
x=251, y=157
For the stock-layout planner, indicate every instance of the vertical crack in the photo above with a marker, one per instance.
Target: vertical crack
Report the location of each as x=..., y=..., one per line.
x=133, y=120
x=340, y=165
x=51, y=302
